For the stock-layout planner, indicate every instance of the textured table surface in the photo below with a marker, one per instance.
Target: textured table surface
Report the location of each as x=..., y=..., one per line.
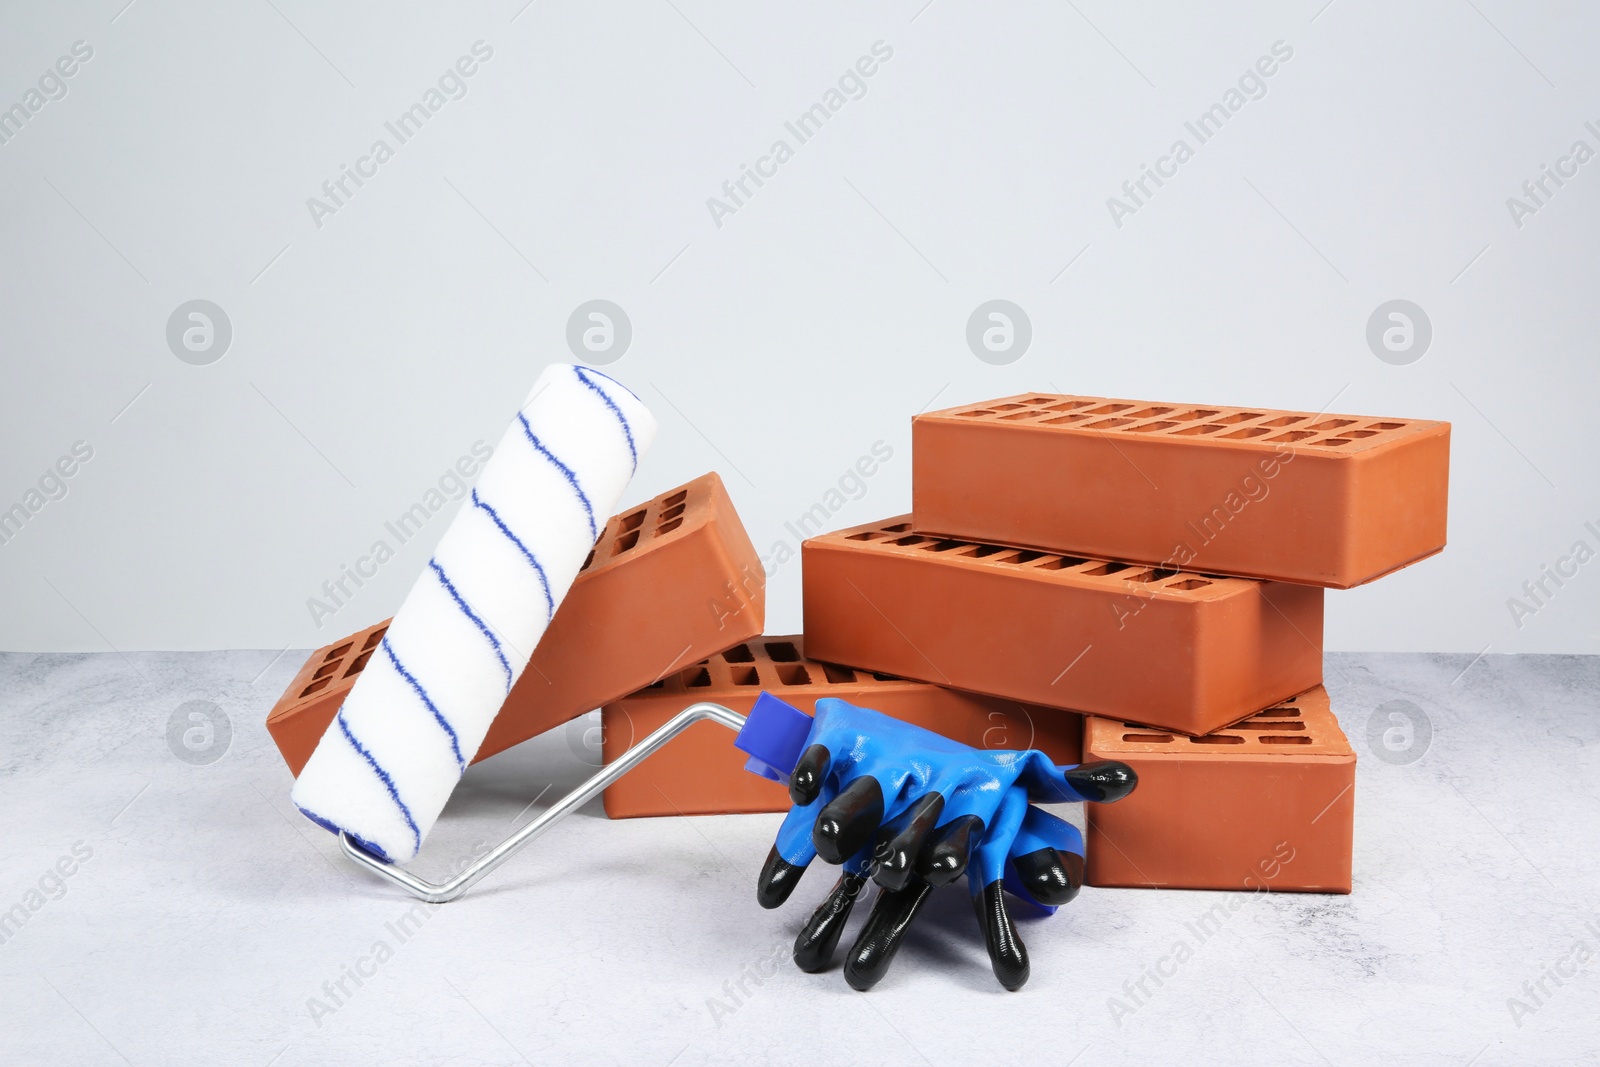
x=206, y=922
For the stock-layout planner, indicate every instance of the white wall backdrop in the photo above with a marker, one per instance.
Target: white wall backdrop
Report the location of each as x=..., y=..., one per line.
x=376, y=338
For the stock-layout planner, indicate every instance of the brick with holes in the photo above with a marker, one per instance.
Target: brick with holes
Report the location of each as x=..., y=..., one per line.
x=700, y=772
x=669, y=582
x=1184, y=651
x=1267, y=804
x=1329, y=500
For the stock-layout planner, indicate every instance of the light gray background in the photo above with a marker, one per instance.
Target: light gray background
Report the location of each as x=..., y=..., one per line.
x=368, y=354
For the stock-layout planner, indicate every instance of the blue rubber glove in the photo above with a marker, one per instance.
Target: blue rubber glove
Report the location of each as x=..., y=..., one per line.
x=911, y=810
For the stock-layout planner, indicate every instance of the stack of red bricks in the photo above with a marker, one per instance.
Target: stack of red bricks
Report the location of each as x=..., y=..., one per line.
x=1135, y=581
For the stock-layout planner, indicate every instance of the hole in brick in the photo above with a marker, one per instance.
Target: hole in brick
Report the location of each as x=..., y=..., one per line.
x=1068, y=405
x=697, y=678
x=1271, y=739
x=657, y=685
x=1332, y=424
x=673, y=512
x=1217, y=739
x=899, y=527
x=942, y=546
x=1108, y=409
x=1194, y=431
x=870, y=535
x=980, y=551
x=676, y=498
x=1065, y=420
x=325, y=670
x=1189, y=583
x=1333, y=442
x=783, y=652
x=1255, y=724
x=1293, y=435
x=625, y=542
x=338, y=652
x=373, y=638
x=1060, y=563
x=634, y=521
x=1148, y=413
x=1239, y=416
x=974, y=414
x=1287, y=420
x=1151, y=427
x=1107, y=424
x=1148, y=739
x=1024, y=556
x=1038, y=400
x=837, y=675
x=587, y=560
x=1248, y=431
x=739, y=654
x=1156, y=575
x=1018, y=415
x=359, y=663
x=1385, y=425
x=1360, y=433
x=1006, y=407
x=1104, y=568
x=745, y=676
x=794, y=674
x=314, y=686
x=912, y=539
x=1197, y=413
x=884, y=677
x=668, y=527
x=1277, y=713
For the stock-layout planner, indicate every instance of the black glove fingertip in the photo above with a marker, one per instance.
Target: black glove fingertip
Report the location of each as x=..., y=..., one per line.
x=819, y=938
x=805, y=782
x=883, y=934
x=777, y=880
x=1007, y=954
x=1050, y=876
x=1103, y=782
x=848, y=821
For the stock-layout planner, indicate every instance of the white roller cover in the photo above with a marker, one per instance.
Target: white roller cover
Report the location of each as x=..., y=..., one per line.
x=418, y=712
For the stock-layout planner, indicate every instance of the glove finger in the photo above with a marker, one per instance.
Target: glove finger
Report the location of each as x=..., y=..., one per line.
x=1007, y=954
x=881, y=937
x=945, y=856
x=805, y=782
x=901, y=843
x=1050, y=876
x=848, y=821
x=777, y=879
x=1102, y=782
x=819, y=938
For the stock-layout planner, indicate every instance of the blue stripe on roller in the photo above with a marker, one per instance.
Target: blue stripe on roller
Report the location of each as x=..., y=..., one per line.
x=549, y=601
x=383, y=775
x=572, y=479
x=444, y=724
x=466, y=610
x=627, y=431
x=331, y=827
x=609, y=378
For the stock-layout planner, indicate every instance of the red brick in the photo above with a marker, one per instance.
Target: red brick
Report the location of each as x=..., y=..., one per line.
x=701, y=773
x=1330, y=500
x=669, y=582
x=1181, y=650
x=1267, y=804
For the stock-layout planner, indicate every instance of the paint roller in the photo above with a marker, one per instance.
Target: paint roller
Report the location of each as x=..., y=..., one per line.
x=463, y=635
